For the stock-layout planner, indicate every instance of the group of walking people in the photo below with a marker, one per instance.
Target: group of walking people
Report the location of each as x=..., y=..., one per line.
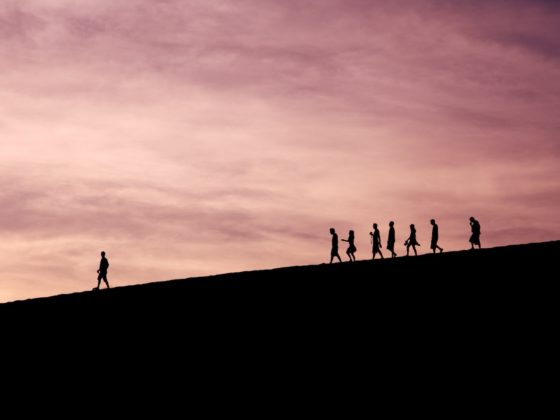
x=411, y=241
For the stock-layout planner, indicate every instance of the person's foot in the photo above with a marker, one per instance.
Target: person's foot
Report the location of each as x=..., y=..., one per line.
x=440, y=250
x=95, y=288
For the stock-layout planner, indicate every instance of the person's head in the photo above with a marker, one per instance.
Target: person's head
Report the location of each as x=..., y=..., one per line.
x=433, y=222
x=412, y=227
x=391, y=223
x=375, y=225
x=351, y=233
x=102, y=253
x=332, y=231
x=471, y=219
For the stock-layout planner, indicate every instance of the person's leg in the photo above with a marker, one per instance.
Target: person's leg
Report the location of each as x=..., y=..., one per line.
x=106, y=281
x=381, y=253
x=414, y=248
x=440, y=249
x=339, y=259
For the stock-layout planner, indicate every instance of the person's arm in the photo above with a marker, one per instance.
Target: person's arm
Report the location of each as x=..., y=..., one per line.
x=344, y=240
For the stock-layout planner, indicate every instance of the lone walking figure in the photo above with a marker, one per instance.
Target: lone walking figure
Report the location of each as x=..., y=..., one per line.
x=103, y=267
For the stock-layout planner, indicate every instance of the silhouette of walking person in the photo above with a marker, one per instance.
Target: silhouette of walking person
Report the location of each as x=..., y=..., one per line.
x=351, y=247
x=411, y=241
x=435, y=237
x=103, y=267
x=391, y=239
x=475, y=236
x=334, y=248
x=376, y=242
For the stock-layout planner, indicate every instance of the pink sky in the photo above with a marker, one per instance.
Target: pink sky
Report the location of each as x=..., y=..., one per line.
x=192, y=137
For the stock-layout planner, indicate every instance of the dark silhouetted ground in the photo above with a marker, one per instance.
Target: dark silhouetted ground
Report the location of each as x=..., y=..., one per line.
x=452, y=289
x=458, y=332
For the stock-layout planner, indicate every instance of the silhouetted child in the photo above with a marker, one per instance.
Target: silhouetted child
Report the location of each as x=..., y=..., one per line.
x=435, y=237
x=103, y=267
x=334, y=249
x=411, y=241
x=475, y=236
x=351, y=247
x=376, y=242
x=391, y=239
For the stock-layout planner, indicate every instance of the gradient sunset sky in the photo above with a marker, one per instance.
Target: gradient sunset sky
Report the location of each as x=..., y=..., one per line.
x=192, y=137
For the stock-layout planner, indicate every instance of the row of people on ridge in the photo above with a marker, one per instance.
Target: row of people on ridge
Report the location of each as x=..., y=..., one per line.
x=411, y=242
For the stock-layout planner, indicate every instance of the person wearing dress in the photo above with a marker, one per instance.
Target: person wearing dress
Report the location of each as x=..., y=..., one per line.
x=376, y=242
x=351, y=247
x=411, y=241
x=475, y=233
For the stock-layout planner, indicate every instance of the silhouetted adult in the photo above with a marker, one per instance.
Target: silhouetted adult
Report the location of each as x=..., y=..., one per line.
x=334, y=248
x=391, y=239
x=376, y=242
x=351, y=247
x=103, y=267
x=475, y=236
x=411, y=241
x=435, y=237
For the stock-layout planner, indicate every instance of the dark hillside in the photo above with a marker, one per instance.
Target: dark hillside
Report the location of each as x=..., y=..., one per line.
x=499, y=283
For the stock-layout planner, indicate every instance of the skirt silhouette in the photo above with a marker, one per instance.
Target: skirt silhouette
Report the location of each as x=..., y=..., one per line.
x=475, y=239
